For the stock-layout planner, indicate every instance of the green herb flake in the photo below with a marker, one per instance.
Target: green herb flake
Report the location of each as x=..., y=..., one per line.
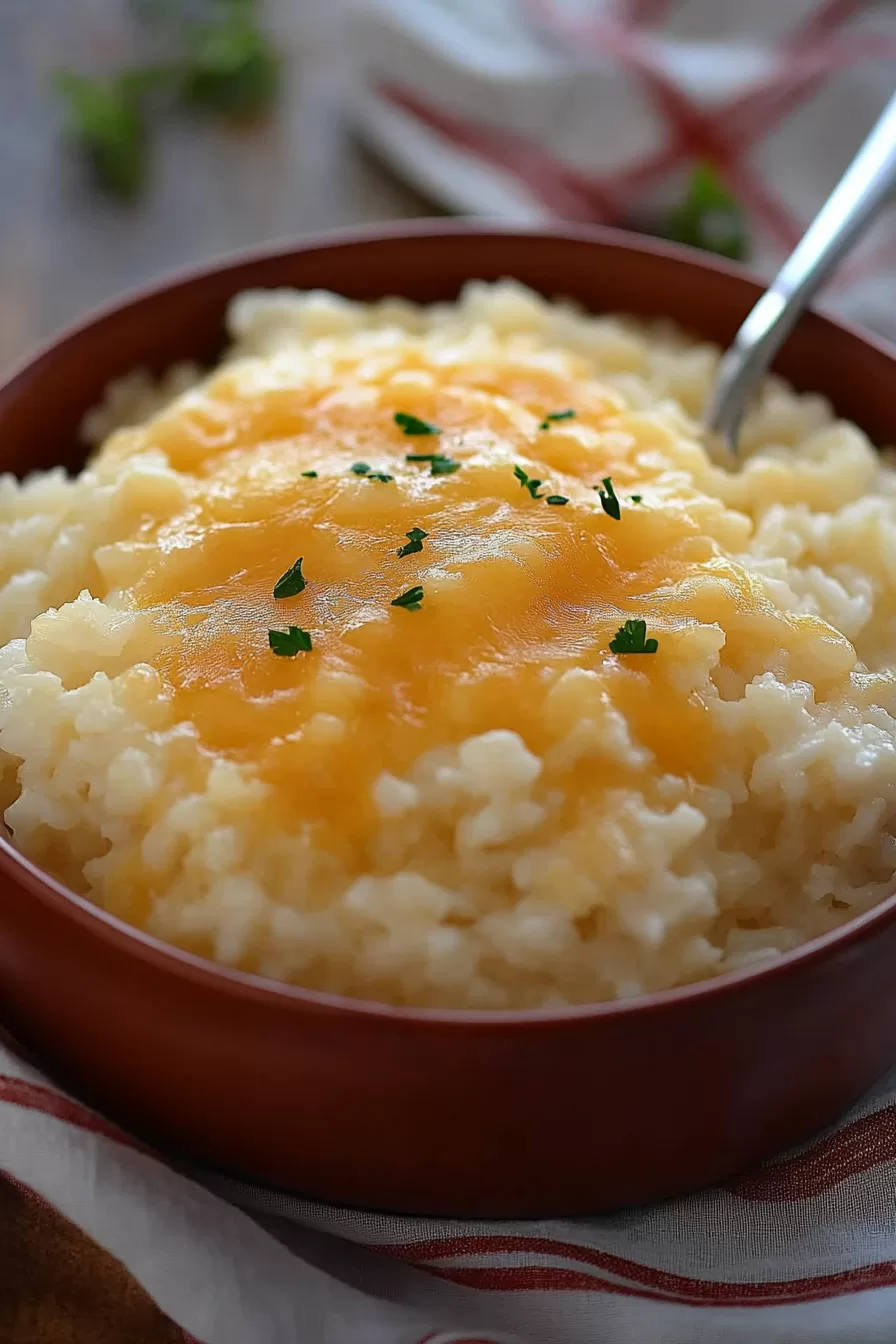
x=290, y=583
x=443, y=466
x=636, y=499
x=527, y=482
x=609, y=502
x=412, y=600
x=379, y=476
x=415, y=541
x=556, y=499
x=439, y=464
x=412, y=424
x=360, y=468
x=553, y=416
x=287, y=643
x=632, y=638
x=312, y=475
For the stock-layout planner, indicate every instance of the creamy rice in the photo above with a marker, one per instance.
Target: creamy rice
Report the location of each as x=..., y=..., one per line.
x=478, y=803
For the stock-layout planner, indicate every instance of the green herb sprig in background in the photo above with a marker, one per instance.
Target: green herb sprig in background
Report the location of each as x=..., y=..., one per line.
x=217, y=58
x=229, y=66
x=106, y=119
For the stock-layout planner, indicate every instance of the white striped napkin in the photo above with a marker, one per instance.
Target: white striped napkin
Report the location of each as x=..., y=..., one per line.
x=801, y=1252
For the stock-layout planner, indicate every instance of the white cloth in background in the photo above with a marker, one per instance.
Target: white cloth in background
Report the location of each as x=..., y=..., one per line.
x=597, y=110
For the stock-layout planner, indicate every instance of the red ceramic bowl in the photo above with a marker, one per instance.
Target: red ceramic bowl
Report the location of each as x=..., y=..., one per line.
x=440, y=1112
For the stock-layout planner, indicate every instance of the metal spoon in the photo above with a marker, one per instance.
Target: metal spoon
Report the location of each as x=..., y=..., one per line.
x=842, y=219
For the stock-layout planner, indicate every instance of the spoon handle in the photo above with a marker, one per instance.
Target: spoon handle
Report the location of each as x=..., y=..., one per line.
x=841, y=220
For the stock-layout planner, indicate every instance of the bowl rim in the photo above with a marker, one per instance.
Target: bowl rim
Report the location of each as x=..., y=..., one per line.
x=471, y=226
x=167, y=958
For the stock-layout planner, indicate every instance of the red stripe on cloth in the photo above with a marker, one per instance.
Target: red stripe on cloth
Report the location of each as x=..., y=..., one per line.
x=860, y=1146
x=36, y=1097
x=723, y=135
x=757, y=112
x=566, y=194
x=643, y=13
x=545, y=1278
x=694, y=133
x=561, y=188
x=542, y=1279
x=637, y=1279
x=830, y=15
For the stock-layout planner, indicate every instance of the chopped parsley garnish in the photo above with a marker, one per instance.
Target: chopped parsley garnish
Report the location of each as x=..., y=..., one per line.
x=527, y=482
x=553, y=416
x=636, y=499
x=287, y=643
x=379, y=476
x=415, y=541
x=608, y=498
x=311, y=474
x=360, y=468
x=556, y=499
x=443, y=466
x=231, y=67
x=292, y=582
x=439, y=464
x=412, y=424
x=632, y=638
x=412, y=600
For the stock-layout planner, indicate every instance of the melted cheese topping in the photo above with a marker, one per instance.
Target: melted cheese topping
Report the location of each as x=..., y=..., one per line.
x=516, y=591
x=475, y=804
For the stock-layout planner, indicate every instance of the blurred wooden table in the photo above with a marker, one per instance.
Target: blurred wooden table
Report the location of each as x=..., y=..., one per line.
x=64, y=247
